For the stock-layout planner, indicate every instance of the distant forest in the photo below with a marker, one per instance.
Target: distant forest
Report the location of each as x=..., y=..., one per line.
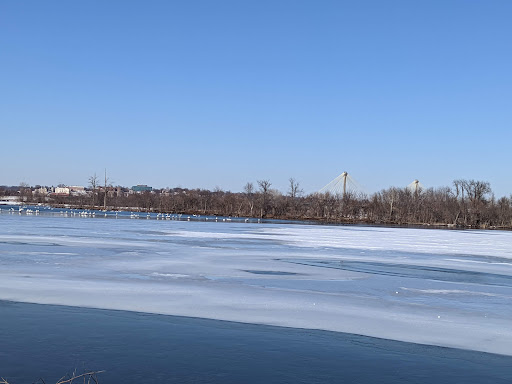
x=465, y=204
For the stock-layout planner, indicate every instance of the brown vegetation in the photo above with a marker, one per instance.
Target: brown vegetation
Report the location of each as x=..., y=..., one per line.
x=467, y=203
x=86, y=377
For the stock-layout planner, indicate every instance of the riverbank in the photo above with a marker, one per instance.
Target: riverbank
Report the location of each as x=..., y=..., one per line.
x=136, y=212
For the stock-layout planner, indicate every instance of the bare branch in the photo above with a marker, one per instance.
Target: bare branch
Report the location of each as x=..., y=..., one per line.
x=91, y=375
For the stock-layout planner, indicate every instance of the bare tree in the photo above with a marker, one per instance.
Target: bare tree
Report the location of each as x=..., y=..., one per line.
x=264, y=185
x=265, y=194
x=295, y=190
x=25, y=192
x=93, y=183
x=249, y=188
x=249, y=194
x=107, y=185
x=477, y=190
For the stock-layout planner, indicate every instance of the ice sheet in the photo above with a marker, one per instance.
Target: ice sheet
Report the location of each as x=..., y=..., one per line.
x=440, y=287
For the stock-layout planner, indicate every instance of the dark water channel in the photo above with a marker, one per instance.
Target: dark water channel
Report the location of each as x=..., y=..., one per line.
x=413, y=271
x=50, y=341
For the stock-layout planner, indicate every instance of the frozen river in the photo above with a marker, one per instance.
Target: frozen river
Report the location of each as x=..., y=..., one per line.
x=438, y=287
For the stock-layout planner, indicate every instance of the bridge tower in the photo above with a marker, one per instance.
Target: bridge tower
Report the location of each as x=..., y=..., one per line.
x=341, y=185
x=415, y=187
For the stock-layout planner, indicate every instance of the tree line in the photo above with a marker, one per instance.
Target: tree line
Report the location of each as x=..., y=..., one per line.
x=466, y=203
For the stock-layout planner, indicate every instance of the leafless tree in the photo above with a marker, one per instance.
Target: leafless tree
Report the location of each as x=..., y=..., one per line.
x=249, y=195
x=25, y=192
x=93, y=184
x=106, y=187
x=294, y=188
x=265, y=196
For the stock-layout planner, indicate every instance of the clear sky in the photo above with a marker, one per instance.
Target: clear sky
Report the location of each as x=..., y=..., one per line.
x=218, y=93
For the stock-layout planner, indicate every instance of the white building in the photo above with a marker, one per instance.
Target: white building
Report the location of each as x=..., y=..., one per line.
x=62, y=191
x=10, y=200
x=77, y=190
x=41, y=191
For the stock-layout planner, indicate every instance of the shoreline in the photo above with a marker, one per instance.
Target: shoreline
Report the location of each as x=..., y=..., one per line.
x=194, y=216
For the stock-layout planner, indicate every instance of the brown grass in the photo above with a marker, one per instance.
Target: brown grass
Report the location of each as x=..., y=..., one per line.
x=86, y=378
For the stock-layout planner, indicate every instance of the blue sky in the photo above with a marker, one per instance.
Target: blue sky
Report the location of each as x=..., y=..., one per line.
x=218, y=93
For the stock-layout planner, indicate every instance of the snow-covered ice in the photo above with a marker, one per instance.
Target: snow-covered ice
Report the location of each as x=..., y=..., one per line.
x=440, y=287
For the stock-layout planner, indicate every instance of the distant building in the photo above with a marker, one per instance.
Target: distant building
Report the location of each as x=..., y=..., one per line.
x=141, y=188
x=41, y=191
x=10, y=200
x=77, y=190
x=61, y=191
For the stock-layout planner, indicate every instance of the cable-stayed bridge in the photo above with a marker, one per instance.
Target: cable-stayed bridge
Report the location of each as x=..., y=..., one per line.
x=342, y=184
x=416, y=187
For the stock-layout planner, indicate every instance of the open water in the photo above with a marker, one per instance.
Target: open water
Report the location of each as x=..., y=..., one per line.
x=49, y=341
